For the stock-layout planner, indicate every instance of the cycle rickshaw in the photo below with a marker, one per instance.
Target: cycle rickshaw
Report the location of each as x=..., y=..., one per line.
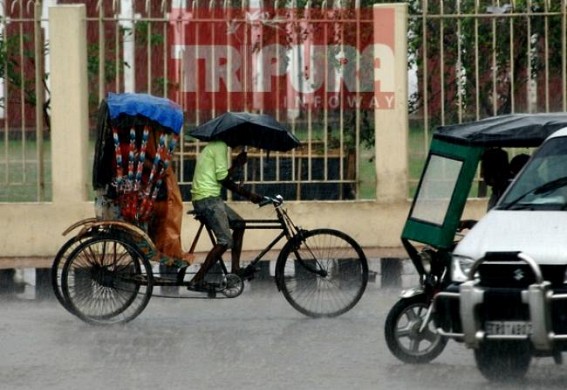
x=104, y=274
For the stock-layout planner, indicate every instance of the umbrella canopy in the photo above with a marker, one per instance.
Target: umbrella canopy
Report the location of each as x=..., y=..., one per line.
x=246, y=129
x=513, y=130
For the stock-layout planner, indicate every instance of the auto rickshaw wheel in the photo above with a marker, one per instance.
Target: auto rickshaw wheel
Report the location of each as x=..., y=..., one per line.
x=503, y=360
x=407, y=337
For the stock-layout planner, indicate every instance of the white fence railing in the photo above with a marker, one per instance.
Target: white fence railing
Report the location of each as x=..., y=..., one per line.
x=468, y=60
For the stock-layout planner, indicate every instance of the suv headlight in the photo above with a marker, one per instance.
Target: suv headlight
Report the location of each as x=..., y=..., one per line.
x=460, y=267
x=426, y=257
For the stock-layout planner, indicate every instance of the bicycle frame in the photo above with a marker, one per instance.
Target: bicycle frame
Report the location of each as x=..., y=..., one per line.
x=283, y=223
x=309, y=254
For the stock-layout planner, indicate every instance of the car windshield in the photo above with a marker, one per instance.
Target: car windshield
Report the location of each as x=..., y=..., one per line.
x=542, y=185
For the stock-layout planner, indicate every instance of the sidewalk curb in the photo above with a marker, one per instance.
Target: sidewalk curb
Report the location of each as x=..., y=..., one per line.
x=34, y=273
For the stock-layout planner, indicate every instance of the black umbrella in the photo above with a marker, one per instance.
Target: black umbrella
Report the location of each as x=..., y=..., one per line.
x=245, y=129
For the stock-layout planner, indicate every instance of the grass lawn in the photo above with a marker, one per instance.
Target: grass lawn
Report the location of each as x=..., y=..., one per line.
x=19, y=169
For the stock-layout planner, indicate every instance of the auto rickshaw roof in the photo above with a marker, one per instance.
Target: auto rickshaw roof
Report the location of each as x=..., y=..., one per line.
x=512, y=130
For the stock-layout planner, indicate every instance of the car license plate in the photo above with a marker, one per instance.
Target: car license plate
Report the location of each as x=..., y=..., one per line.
x=508, y=328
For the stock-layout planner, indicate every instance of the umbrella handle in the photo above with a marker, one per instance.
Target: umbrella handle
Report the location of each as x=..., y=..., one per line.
x=241, y=159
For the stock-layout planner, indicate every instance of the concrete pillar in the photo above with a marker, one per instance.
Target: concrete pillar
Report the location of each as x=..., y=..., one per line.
x=391, y=97
x=69, y=103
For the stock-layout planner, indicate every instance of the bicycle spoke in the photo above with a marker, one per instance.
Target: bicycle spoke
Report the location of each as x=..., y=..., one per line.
x=325, y=275
x=100, y=281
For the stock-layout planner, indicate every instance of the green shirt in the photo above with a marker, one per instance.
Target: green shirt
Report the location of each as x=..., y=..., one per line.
x=210, y=170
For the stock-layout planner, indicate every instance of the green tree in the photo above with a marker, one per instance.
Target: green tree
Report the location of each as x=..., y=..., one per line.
x=481, y=56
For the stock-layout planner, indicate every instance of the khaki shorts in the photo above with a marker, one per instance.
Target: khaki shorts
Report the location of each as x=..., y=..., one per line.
x=218, y=216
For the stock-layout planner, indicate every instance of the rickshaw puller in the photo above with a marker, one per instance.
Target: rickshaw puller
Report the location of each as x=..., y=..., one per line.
x=211, y=174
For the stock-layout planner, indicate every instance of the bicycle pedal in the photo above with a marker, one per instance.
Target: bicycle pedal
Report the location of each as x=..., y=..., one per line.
x=209, y=288
x=248, y=273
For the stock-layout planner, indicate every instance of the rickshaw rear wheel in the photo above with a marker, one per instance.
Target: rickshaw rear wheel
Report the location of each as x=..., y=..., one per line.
x=106, y=280
x=57, y=268
x=59, y=262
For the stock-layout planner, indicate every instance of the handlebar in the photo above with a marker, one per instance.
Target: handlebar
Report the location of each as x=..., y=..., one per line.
x=276, y=201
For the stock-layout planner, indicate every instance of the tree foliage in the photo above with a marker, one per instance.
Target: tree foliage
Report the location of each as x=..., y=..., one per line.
x=483, y=49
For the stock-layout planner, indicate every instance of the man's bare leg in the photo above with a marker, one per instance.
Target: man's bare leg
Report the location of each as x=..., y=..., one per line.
x=237, y=238
x=211, y=258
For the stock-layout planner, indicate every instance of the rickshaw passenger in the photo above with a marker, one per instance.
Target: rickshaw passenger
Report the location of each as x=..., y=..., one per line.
x=211, y=174
x=495, y=170
x=165, y=226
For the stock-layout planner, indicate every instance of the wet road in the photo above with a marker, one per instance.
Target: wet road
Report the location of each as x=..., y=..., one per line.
x=255, y=341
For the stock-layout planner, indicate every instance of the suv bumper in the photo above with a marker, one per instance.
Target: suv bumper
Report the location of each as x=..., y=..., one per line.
x=461, y=311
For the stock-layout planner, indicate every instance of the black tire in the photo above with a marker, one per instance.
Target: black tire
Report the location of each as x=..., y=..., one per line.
x=503, y=360
x=322, y=272
x=59, y=261
x=403, y=336
x=106, y=281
